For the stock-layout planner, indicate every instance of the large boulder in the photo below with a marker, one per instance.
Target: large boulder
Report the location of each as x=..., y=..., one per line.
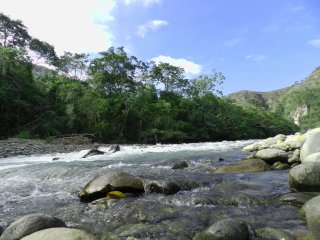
x=248, y=165
x=29, y=224
x=295, y=141
x=272, y=155
x=295, y=157
x=313, y=216
x=305, y=177
x=311, y=145
x=61, y=234
x=314, y=157
x=266, y=143
x=111, y=181
x=228, y=229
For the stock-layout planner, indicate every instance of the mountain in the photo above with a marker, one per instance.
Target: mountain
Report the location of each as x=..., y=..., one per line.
x=299, y=102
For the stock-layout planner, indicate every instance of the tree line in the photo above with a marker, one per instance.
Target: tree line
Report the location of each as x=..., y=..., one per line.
x=116, y=97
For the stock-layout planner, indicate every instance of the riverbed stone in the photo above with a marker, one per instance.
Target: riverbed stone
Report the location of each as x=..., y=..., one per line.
x=273, y=234
x=311, y=145
x=295, y=141
x=295, y=157
x=29, y=224
x=166, y=187
x=248, y=165
x=111, y=181
x=61, y=234
x=272, y=155
x=297, y=199
x=228, y=229
x=180, y=164
x=305, y=177
x=313, y=216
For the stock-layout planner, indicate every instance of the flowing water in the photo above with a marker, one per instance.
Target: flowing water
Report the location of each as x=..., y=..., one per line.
x=36, y=184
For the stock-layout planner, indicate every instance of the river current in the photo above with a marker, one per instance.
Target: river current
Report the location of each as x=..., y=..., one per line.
x=37, y=184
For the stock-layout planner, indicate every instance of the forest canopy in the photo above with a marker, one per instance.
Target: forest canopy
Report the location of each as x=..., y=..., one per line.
x=116, y=97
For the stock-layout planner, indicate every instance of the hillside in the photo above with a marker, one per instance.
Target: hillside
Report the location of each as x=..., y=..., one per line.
x=300, y=102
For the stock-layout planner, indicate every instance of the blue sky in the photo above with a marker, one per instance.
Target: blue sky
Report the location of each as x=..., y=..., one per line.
x=259, y=45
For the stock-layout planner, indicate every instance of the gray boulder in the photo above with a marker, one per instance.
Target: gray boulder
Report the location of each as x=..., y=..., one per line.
x=111, y=181
x=313, y=217
x=305, y=177
x=295, y=157
x=29, y=224
x=314, y=157
x=297, y=199
x=163, y=186
x=311, y=145
x=61, y=234
x=180, y=164
x=272, y=155
x=229, y=229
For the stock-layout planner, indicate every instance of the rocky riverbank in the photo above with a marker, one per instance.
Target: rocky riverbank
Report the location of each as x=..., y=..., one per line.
x=14, y=147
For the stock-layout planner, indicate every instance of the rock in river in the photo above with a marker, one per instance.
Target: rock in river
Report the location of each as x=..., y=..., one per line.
x=61, y=234
x=180, y=164
x=272, y=155
x=313, y=217
x=249, y=165
x=166, y=187
x=111, y=181
x=29, y=224
x=229, y=229
x=305, y=177
x=311, y=145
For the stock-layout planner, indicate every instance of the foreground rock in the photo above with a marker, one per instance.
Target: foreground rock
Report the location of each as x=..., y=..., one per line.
x=249, y=165
x=274, y=234
x=313, y=216
x=163, y=186
x=229, y=229
x=61, y=234
x=111, y=181
x=29, y=224
x=305, y=177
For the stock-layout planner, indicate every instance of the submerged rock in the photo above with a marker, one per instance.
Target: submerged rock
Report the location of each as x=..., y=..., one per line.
x=29, y=224
x=60, y=233
x=297, y=199
x=93, y=152
x=111, y=181
x=305, y=177
x=249, y=165
x=163, y=186
x=180, y=165
x=273, y=234
x=229, y=229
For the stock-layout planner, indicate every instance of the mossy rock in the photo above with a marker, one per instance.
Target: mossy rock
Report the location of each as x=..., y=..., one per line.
x=248, y=165
x=274, y=234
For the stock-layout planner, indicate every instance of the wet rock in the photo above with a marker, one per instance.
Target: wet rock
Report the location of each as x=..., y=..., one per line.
x=229, y=229
x=163, y=186
x=111, y=181
x=114, y=148
x=268, y=233
x=29, y=224
x=55, y=158
x=240, y=199
x=180, y=165
x=297, y=199
x=249, y=165
x=313, y=217
x=305, y=177
x=295, y=157
x=205, y=200
x=281, y=166
x=93, y=152
x=272, y=155
x=311, y=145
x=60, y=233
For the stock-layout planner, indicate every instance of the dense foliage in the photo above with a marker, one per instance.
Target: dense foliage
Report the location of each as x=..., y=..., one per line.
x=116, y=97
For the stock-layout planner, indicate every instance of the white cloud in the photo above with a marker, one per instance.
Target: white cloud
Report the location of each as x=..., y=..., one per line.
x=71, y=25
x=233, y=42
x=189, y=67
x=315, y=42
x=255, y=57
x=151, y=25
x=145, y=3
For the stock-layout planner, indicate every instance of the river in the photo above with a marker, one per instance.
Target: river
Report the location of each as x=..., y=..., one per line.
x=36, y=184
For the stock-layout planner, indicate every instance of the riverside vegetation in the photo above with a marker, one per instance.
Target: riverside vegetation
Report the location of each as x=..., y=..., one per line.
x=116, y=97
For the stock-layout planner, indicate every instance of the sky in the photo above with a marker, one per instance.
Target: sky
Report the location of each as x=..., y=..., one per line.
x=259, y=45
